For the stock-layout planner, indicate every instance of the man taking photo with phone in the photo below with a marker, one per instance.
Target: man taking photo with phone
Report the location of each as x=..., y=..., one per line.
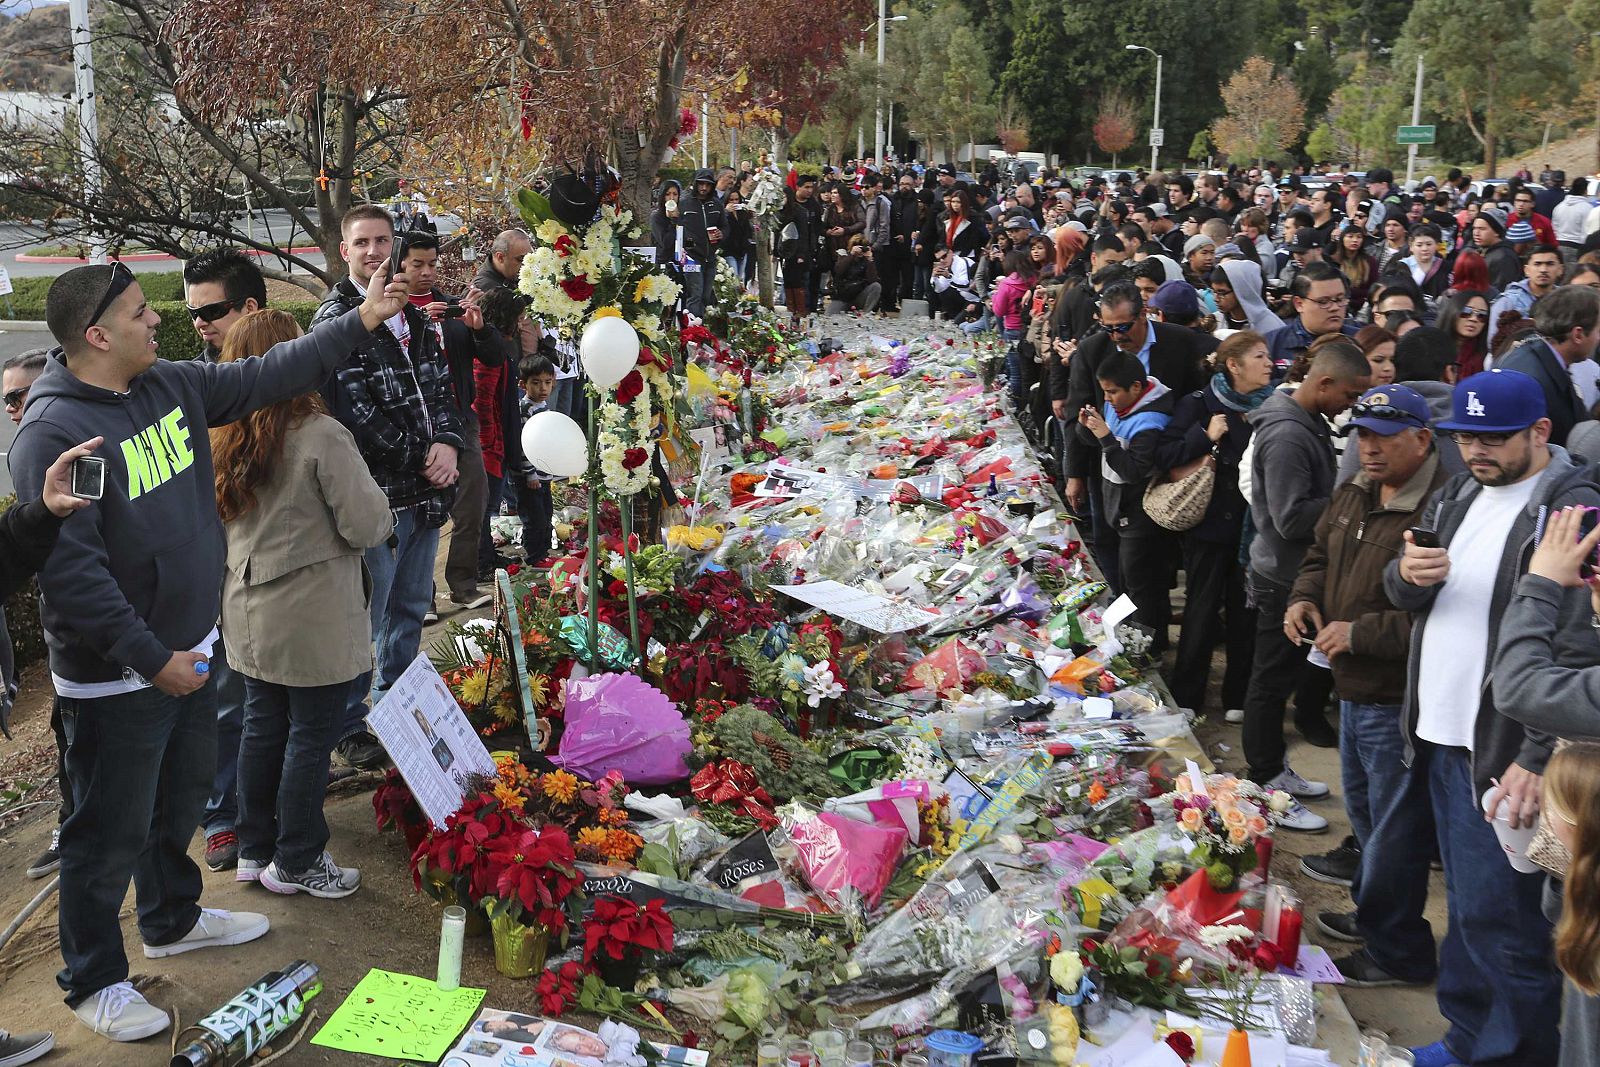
x=129, y=603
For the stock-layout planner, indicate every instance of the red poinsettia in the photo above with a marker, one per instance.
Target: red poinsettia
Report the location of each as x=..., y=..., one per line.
x=579, y=288
x=461, y=849
x=534, y=872
x=621, y=927
x=634, y=458
x=630, y=387
x=557, y=988
x=565, y=245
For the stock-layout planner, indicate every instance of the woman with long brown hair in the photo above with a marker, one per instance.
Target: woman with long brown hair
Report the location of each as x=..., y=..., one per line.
x=300, y=509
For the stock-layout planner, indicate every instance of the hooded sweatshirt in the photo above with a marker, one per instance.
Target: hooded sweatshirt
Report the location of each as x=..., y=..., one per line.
x=1291, y=480
x=137, y=574
x=1246, y=281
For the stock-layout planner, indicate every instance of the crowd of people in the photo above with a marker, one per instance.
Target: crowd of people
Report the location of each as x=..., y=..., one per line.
x=273, y=478
x=1358, y=424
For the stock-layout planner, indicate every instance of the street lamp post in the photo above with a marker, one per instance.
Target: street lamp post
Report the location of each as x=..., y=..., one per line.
x=1156, y=122
x=877, y=123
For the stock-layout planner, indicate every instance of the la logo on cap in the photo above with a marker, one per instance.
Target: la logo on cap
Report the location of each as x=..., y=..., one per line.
x=1475, y=407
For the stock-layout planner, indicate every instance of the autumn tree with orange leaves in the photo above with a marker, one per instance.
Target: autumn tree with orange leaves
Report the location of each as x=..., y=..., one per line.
x=1265, y=113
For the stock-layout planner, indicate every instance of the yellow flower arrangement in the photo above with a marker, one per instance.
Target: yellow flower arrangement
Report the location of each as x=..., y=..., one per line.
x=560, y=786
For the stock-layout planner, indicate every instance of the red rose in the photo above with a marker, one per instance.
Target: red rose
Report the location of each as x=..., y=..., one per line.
x=564, y=245
x=578, y=288
x=634, y=458
x=630, y=387
x=1182, y=1044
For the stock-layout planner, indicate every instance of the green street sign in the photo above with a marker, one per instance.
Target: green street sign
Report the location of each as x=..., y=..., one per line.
x=1414, y=135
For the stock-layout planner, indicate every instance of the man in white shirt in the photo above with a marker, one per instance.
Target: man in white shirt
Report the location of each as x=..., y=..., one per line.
x=1498, y=987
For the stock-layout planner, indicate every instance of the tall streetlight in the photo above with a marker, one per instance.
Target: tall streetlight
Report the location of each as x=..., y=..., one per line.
x=877, y=123
x=1156, y=123
x=861, y=50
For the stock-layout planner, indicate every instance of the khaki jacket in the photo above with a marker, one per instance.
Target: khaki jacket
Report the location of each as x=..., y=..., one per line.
x=294, y=596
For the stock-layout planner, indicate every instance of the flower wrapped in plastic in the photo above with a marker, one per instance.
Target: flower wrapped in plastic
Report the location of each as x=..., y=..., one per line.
x=1145, y=859
x=1225, y=816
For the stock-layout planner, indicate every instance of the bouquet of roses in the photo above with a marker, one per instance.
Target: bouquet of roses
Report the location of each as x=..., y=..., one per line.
x=1225, y=816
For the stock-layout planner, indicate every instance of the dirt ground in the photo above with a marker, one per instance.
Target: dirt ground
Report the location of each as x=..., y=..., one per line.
x=388, y=925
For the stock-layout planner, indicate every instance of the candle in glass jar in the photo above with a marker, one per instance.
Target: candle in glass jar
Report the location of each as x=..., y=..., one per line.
x=1290, y=920
x=452, y=929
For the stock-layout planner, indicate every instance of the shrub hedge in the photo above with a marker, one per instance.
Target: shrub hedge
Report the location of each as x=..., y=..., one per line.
x=22, y=616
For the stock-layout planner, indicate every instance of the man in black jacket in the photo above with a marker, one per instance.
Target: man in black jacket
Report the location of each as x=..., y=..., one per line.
x=905, y=222
x=702, y=231
x=466, y=341
x=1568, y=321
x=1171, y=354
x=393, y=393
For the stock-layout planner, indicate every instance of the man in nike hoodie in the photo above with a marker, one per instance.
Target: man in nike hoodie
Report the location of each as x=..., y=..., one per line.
x=1137, y=408
x=129, y=602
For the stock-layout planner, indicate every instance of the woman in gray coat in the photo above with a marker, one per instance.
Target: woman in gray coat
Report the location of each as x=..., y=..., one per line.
x=300, y=510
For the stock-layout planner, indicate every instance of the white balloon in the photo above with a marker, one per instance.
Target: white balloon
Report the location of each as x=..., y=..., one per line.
x=555, y=444
x=610, y=349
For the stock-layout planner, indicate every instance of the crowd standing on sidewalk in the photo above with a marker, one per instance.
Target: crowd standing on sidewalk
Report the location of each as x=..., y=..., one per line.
x=1357, y=421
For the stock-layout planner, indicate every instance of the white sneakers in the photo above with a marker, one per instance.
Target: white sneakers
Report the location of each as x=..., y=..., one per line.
x=1296, y=786
x=1234, y=716
x=214, y=927
x=1299, y=817
x=120, y=1013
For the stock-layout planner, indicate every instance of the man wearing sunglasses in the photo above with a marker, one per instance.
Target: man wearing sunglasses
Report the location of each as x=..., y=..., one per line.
x=1338, y=606
x=1498, y=988
x=129, y=603
x=1568, y=323
x=221, y=286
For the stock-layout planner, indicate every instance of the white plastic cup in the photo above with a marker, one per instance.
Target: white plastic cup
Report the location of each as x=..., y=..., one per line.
x=1514, y=842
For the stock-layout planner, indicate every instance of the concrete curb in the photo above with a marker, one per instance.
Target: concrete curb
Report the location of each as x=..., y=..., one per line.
x=23, y=326
x=155, y=257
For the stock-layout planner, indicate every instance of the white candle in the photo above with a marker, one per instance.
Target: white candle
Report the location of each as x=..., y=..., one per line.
x=451, y=931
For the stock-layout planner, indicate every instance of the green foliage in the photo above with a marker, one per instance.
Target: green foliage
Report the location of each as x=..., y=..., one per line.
x=940, y=72
x=756, y=739
x=28, y=292
x=1200, y=147
x=1322, y=144
x=22, y=616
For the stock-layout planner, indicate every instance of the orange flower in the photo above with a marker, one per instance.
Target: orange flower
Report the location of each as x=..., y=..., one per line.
x=1237, y=835
x=1191, y=819
x=1257, y=825
x=592, y=839
x=509, y=796
x=622, y=845
x=1097, y=792
x=560, y=786
x=612, y=817
x=1233, y=818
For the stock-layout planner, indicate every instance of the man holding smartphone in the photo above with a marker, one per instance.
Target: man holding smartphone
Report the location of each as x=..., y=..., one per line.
x=393, y=393
x=129, y=602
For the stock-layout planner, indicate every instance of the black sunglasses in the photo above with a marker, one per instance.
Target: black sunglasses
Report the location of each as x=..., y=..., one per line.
x=16, y=397
x=213, y=312
x=1385, y=412
x=121, y=278
x=1120, y=328
x=1475, y=313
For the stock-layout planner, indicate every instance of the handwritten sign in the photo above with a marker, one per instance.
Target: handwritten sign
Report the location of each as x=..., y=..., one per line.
x=399, y=1017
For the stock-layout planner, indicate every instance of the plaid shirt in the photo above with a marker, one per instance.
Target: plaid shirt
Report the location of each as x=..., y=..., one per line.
x=394, y=395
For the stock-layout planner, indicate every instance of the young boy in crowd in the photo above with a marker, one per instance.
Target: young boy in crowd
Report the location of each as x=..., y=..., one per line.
x=1137, y=408
x=537, y=377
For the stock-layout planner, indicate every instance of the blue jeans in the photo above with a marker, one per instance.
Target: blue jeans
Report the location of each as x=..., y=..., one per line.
x=283, y=770
x=402, y=589
x=1392, y=819
x=1498, y=985
x=222, y=810
x=140, y=766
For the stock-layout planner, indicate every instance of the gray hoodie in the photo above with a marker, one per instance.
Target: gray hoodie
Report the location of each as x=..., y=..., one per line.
x=137, y=574
x=1500, y=738
x=1291, y=480
x=1245, y=277
x=1437, y=394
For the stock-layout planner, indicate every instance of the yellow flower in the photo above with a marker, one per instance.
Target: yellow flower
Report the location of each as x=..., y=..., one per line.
x=510, y=798
x=608, y=312
x=474, y=687
x=539, y=687
x=560, y=786
x=505, y=711
x=593, y=839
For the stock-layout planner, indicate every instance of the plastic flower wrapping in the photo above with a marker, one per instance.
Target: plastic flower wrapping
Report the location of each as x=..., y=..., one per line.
x=878, y=752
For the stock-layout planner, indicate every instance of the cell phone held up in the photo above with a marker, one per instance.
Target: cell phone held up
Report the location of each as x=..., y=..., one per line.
x=1591, y=566
x=88, y=477
x=1424, y=537
x=397, y=255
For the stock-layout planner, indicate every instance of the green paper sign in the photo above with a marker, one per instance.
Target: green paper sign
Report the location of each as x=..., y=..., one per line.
x=399, y=1017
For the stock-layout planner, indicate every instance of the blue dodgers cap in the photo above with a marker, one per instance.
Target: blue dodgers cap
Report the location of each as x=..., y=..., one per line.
x=1388, y=409
x=1495, y=401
